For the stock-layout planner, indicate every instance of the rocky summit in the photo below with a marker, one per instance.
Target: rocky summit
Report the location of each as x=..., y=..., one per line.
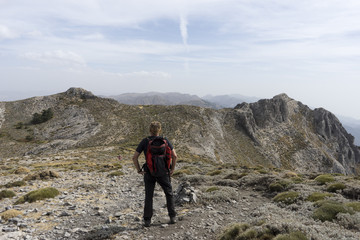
x=273, y=169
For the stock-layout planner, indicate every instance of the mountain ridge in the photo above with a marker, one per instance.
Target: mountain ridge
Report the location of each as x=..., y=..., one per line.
x=278, y=132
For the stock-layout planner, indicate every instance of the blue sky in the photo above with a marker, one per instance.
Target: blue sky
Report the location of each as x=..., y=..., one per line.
x=307, y=49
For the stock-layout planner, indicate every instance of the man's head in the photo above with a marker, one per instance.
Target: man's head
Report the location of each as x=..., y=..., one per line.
x=155, y=128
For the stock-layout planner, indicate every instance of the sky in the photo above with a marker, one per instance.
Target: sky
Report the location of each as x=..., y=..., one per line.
x=308, y=49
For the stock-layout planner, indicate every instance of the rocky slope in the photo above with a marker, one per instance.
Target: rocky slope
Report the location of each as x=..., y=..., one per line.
x=102, y=198
x=278, y=132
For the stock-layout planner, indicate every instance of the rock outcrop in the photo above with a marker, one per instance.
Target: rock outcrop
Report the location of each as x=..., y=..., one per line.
x=292, y=134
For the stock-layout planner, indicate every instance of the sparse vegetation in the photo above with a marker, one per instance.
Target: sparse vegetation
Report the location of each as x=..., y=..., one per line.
x=324, y=178
x=244, y=231
x=233, y=176
x=22, y=170
x=292, y=236
x=6, y=194
x=43, y=117
x=40, y=194
x=354, y=205
x=233, y=231
x=287, y=197
x=44, y=175
x=335, y=187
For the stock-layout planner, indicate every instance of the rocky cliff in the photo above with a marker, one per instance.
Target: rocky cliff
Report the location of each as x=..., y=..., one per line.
x=278, y=132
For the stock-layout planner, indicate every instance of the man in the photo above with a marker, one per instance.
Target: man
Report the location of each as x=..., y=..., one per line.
x=150, y=180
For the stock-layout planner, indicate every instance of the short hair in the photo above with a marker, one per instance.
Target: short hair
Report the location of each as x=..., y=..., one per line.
x=155, y=128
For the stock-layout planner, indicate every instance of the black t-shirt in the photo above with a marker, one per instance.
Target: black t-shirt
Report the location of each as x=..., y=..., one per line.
x=145, y=142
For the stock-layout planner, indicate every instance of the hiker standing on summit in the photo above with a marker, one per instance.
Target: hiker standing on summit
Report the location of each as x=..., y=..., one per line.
x=160, y=163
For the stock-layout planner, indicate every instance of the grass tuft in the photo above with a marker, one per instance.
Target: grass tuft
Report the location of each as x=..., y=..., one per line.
x=116, y=173
x=329, y=209
x=39, y=194
x=287, y=197
x=324, y=178
x=292, y=236
x=212, y=189
x=10, y=214
x=354, y=205
x=214, y=173
x=15, y=184
x=6, y=194
x=317, y=196
x=335, y=187
x=233, y=231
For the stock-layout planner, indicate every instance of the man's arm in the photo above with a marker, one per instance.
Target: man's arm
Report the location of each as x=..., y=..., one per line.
x=136, y=162
x=173, y=162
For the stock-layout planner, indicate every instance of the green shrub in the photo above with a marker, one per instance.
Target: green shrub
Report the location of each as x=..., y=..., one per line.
x=291, y=236
x=279, y=186
x=317, y=196
x=39, y=194
x=233, y=231
x=6, y=194
x=354, y=205
x=116, y=173
x=15, y=184
x=43, y=117
x=328, y=211
x=336, y=186
x=287, y=197
x=212, y=189
x=325, y=178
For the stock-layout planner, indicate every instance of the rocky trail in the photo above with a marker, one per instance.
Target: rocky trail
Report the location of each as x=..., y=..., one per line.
x=94, y=205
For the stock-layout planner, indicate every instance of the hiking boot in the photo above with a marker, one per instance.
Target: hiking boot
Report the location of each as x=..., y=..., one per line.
x=147, y=223
x=172, y=220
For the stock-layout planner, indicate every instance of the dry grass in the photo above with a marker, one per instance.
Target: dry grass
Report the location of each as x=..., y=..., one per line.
x=10, y=214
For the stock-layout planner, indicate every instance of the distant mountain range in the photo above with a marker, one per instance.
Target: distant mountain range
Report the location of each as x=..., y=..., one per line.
x=156, y=98
x=174, y=98
x=211, y=101
x=352, y=126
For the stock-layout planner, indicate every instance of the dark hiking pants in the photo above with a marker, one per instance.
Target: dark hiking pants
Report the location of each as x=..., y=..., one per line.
x=165, y=184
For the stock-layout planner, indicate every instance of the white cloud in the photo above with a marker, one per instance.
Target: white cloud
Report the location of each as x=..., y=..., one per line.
x=183, y=29
x=5, y=33
x=94, y=36
x=145, y=74
x=58, y=57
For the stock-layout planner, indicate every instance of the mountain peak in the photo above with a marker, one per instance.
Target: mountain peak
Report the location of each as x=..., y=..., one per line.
x=79, y=92
x=283, y=96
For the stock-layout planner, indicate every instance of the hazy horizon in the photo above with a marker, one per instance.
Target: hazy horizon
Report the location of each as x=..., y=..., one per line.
x=309, y=49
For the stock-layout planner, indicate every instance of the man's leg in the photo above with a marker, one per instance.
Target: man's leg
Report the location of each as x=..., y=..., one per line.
x=167, y=188
x=149, y=193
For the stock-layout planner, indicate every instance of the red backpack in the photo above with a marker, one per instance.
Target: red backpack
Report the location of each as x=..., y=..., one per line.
x=158, y=156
